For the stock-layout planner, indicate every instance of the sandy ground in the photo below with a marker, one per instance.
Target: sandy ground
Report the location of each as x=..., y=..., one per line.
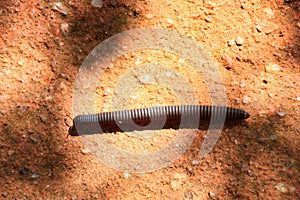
x=255, y=45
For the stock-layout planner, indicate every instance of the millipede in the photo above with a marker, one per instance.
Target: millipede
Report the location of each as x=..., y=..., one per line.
x=172, y=115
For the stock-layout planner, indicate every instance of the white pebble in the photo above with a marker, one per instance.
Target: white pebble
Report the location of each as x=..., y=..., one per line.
x=179, y=176
x=106, y=92
x=195, y=15
x=298, y=98
x=246, y=99
x=269, y=12
x=281, y=187
x=97, y=3
x=59, y=7
x=64, y=28
x=149, y=16
x=208, y=19
x=243, y=84
x=271, y=68
x=239, y=41
x=133, y=97
x=145, y=79
x=212, y=195
x=195, y=162
x=176, y=184
x=20, y=62
x=35, y=175
x=85, y=151
x=231, y=43
x=181, y=60
x=281, y=114
x=126, y=175
x=170, y=23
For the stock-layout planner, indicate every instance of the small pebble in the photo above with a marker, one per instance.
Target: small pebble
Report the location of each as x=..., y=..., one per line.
x=263, y=113
x=180, y=176
x=250, y=172
x=195, y=15
x=298, y=98
x=281, y=187
x=170, y=23
x=246, y=99
x=64, y=28
x=106, y=92
x=269, y=12
x=213, y=196
x=228, y=61
x=176, y=184
x=43, y=118
x=195, y=162
x=239, y=41
x=188, y=195
x=126, y=175
x=243, y=84
x=85, y=151
x=292, y=190
x=149, y=16
x=59, y=7
x=281, y=114
x=145, y=79
x=97, y=3
x=273, y=137
x=239, y=58
x=298, y=24
x=236, y=142
x=33, y=139
x=271, y=68
x=35, y=175
x=180, y=61
x=10, y=152
x=258, y=28
x=134, y=97
x=73, y=197
x=231, y=43
x=209, y=4
x=20, y=62
x=208, y=19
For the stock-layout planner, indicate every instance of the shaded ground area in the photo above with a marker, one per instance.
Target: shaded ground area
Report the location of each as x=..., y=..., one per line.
x=255, y=45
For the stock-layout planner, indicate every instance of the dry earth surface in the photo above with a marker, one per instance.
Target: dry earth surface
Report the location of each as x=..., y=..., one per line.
x=256, y=46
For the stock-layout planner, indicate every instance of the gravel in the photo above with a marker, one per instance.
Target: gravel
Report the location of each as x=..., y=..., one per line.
x=97, y=3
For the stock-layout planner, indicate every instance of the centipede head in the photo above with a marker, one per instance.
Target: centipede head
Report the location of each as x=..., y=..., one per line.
x=72, y=131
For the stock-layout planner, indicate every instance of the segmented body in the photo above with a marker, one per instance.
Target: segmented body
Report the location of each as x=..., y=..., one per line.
x=169, y=113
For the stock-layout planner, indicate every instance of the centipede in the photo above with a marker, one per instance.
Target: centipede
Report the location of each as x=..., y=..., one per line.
x=109, y=121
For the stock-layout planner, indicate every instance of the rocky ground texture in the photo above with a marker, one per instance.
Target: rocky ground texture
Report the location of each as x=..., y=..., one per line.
x=256, y=46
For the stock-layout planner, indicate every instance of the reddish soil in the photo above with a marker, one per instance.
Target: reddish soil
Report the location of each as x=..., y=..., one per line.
x=256, y=46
